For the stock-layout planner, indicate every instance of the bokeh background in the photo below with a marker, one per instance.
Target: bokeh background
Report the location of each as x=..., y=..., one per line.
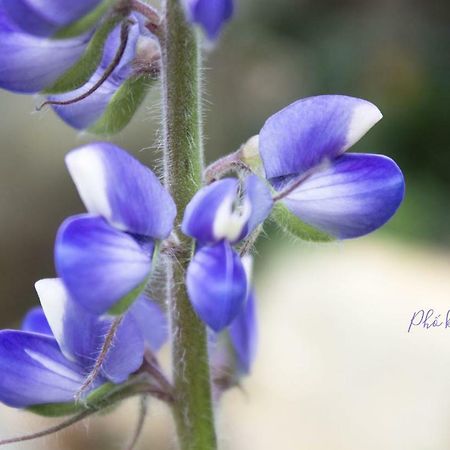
x=336, y=367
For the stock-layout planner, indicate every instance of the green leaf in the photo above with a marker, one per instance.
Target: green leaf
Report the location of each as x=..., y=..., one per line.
x=84, y=68
x=294, y=226
x=85, y=23
x=123, y=106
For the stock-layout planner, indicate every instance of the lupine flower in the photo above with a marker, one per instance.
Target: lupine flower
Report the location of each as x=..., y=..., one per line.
x=219, y=216
x=48, y=361
x=210, y=15
x=331, y=194
x=96, y=78
x=105, y=257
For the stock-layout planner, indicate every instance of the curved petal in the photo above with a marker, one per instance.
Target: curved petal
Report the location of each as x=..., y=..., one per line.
x=217, y=285
x=28, y=64
x=309, y=131
x=209, y=215
x=83, y=113
x=355, y=195
x=211, y=15
x=33, y=370
x=151, y=321
x=36, y=322
x=261, y=202
x=98, y=264
x=244, y=335
x=81, y=335
x=122, y=190
x=44, y=17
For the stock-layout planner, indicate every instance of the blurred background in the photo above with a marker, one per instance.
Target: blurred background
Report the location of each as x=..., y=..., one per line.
x=336, y=367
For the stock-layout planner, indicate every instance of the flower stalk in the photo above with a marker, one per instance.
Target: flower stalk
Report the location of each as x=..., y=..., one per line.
x=183, y=165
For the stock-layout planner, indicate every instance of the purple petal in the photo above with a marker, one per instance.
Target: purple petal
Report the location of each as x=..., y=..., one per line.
x=209, y=215
x=86, y=112
x=354, y=195
x=40, y=17
x=217, y=284
x=210, y=15
x=244, y=335
x=312, y=130
x=81, y=335
x=28, y=64
x=98, y=264
x=151, y=321
x=260, y=199
x=36, y=322
x=127, y=194
x=33, y=370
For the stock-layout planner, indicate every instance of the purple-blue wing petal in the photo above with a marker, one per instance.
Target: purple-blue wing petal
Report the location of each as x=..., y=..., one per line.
x=217, y=284
x=84, y=113
x=28, y=64
x=210, y=15
x=354, y=195
x=313, y=130
x=36, y=322
x=118, y=187
x=203, y=212
x=98, y=264
x=40, y=17
x=244, y=335
x=33, y=370
x=260, y=199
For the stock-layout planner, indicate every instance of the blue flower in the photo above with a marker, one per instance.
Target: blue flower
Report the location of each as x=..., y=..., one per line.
x=112, y=62
x=105, y=257
x=48, y=361
x=219, y=216
x=210, y=15
x=332, y=194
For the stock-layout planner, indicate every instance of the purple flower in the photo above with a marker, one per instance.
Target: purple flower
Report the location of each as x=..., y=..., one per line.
x=219, y=216
x=333, y=194
x=210, y=15
x=47, y=362
x=96, y=78
x=104, y=257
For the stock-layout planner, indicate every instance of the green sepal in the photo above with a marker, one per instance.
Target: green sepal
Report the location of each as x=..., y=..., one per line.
x=294, y=226
x=85, y=67
x=94, y=400
x=123, y=105
x=85, y=23
x=124, y=303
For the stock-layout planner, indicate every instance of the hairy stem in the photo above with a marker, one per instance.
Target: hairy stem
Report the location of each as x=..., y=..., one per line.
x=183, y=163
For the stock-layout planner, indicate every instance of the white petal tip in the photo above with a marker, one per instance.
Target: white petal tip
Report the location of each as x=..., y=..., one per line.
x=364, y=117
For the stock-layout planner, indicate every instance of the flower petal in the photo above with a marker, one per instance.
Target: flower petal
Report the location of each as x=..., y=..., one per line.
x=28, y=64
x=33, y=370
x=217, y=284
x=261, y=202
x=355, y=195
x=311, y=130
x=81, y=335
x=209, y=14
x=36, y=322
x=98, y=264
x=122, y=190
x=244, y=335
x=151, y=321
x=83, y=113
x=40, y=17
x=209, y=215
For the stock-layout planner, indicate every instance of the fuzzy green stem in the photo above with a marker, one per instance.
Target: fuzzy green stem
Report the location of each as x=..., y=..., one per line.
x=183, y=164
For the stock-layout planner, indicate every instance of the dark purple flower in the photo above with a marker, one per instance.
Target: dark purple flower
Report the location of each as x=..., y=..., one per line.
x=105, y=257
x=210, y=15
x=49, y=360
x=340, y=195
